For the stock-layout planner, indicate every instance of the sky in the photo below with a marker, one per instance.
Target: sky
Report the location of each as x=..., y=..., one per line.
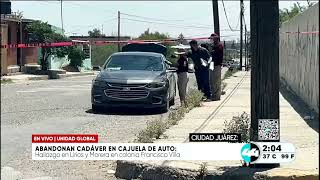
x=191, y=18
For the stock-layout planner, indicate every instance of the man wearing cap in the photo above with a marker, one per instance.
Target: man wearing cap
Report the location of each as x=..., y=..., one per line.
x=215, y=74
x=200, y=57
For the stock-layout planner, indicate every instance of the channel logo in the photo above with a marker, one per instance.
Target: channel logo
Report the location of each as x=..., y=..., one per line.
x=250, y=152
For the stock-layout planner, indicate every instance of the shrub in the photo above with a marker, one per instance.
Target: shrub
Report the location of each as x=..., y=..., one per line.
x=194, y=98
x=239, y=124
x=202, y=171
x=153, y=131
x=76, y=57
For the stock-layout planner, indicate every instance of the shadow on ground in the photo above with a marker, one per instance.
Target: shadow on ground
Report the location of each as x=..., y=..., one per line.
x=126, y=111
x=305, y=112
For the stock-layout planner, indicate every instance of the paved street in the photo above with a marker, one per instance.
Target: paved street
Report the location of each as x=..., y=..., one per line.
x=59, y=106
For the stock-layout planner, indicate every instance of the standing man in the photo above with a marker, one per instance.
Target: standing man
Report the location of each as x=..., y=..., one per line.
x=182, y=72
x=215, y=74
x=200, y=57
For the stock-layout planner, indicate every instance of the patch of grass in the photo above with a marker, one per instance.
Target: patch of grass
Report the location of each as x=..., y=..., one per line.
x=6, y=81
x=229, y=73
x=157, y=127
x=239, y=124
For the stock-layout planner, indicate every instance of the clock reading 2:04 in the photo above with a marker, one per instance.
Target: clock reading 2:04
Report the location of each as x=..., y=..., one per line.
x=271, y=148
x=268, y=152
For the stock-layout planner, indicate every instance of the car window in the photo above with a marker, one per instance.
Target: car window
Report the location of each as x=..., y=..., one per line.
x=134, y=62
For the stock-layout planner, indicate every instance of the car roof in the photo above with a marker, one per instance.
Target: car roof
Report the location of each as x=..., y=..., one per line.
x=138, y=53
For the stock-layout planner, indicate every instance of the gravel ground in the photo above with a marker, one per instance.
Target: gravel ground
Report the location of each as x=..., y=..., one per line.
x=59, y=106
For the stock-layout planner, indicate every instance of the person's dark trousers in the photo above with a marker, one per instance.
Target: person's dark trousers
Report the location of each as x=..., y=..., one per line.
x=197, y=73
x=205, y=82
x=202, y=77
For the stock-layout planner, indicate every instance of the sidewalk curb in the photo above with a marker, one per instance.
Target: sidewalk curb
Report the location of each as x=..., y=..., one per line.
x=139, y=170
x=38, y=78
x=60, y=76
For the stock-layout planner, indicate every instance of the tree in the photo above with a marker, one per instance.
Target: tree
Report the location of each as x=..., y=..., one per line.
x=95, y=33
x=41, y=32
x=147, y=35
x=286, y=14
x=181, y=39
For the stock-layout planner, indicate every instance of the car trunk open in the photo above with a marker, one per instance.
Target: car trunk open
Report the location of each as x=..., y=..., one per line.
x=145, y=47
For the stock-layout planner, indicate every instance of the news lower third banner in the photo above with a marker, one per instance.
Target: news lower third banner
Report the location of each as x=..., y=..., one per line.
x=86, y=147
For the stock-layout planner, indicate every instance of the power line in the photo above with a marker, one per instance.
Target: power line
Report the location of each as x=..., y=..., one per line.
x=224, y=9
x=96, y=25
x=156, y=19
x=171, y=25
x=149, y=17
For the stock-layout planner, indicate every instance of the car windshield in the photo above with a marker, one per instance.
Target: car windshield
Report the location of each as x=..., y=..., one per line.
x=134, y=62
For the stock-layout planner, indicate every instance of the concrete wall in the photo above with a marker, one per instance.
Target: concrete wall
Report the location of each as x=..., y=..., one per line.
x=12, y=39
x=10, y=56
x=4, y=53
x=299, y=56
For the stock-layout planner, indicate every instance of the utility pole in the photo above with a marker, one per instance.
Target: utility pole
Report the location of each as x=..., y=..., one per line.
x=245, y=49
x=264, y=39
x=118, y=31
x=241, y=43
x=61, y=16
x=216, y=17
x=102, y=30
x=21, y=39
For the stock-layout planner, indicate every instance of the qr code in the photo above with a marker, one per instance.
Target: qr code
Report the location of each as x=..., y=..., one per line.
x=268, y=129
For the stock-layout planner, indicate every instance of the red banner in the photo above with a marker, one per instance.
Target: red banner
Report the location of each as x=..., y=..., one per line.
x=64, y=138
x=59, y=44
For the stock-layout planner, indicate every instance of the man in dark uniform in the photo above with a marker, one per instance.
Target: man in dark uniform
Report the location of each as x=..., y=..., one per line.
x=215, y=74
x=200, y=57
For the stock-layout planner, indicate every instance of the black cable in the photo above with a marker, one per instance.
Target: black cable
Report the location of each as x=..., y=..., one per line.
x=224, y=9
x=155, y=19
x=172, y=25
